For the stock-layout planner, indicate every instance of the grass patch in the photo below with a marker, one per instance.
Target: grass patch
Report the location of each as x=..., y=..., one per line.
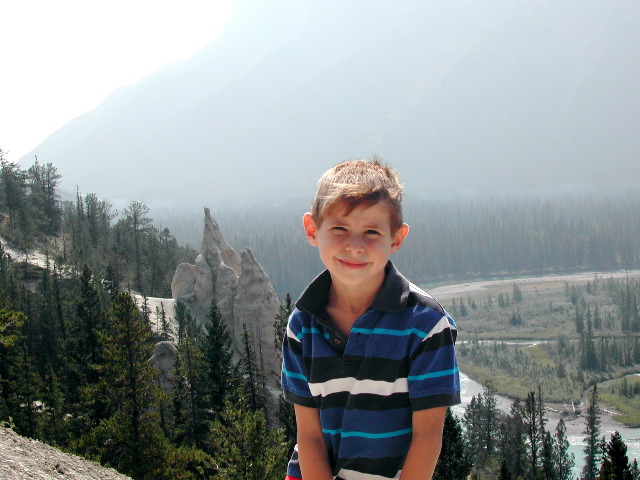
x=629, y=408
x=539, y=355
x=504, y=385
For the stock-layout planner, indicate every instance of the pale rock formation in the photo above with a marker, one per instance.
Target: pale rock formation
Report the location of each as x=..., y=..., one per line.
x=242, y=291
x=213, y=240
x=164, y=359
x=184, y=281
x=256, y=305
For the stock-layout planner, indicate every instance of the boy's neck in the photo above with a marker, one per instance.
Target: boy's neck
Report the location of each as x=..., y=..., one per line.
x=346, y=303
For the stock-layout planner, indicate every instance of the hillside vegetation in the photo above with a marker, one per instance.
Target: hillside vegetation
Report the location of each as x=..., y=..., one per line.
x=561, y=336
x=124, y=246
x=75, y=350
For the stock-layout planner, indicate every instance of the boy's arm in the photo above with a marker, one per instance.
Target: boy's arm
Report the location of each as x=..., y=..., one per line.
x=425, y=444
x=312, y=451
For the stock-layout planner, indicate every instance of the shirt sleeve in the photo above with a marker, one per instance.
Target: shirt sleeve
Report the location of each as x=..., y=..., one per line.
x=295, y=384
x=434, y=378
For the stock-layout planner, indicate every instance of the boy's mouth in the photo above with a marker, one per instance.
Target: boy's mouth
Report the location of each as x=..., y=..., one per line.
x=352, y=264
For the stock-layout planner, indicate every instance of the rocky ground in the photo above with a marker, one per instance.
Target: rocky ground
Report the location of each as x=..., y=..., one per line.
x=22, y=458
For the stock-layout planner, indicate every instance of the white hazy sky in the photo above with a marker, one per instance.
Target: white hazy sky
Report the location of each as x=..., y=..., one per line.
x=59, y=59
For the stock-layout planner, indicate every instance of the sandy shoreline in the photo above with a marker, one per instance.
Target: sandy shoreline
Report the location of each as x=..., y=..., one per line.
x=449, y=291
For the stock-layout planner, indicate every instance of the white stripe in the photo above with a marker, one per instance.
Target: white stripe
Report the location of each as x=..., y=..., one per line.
x=292, y=335
x=439, y=327
x=355, y=387
x=353, y=475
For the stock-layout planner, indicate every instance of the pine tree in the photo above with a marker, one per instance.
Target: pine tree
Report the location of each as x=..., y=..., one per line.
x=517, y=293
x=548, y=470
x=217, y=359
x=43, y=184
x=453, y=463
x=245, y=447
x=579, y=321
x=504, y=470
x=23, y=390
x=286, y=414
x=280, y=324
x=635, y=470
x=130, y=438
x=83, y=353
x=253, y=377
x=588, y=354
x=139, y=224
x=615, y=463
x=562, y=458
x=512, y=447
x=533, y=417
x=13, y=189
x=190, y=406
x=473, y=428
x=53, y=426
x=592, y=433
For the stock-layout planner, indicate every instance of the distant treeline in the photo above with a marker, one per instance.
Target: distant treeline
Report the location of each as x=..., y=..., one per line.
x=457, y=239
x=449, y=240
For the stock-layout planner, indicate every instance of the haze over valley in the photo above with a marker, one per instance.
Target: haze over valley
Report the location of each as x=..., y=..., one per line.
x=482, y=98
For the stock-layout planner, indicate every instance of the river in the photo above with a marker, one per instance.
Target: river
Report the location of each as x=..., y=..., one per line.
x=631, y=436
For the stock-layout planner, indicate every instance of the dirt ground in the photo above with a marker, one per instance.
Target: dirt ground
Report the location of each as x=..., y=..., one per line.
x=22, y=458
x=449, y=291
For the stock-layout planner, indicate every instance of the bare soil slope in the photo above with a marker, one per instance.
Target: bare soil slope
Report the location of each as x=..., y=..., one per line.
x=22, y=458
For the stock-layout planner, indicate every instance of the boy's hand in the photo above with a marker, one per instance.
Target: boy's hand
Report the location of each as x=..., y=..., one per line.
x=425, y=444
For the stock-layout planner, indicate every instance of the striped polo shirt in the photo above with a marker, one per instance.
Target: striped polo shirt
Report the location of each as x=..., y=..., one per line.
x=399, y=357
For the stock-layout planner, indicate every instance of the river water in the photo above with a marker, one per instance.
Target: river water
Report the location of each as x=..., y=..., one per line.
x=631, y=436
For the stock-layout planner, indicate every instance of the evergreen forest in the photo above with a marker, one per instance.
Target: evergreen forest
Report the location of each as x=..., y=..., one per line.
x=75, y=348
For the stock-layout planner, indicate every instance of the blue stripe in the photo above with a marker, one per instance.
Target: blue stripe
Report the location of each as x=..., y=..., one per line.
x=312, y=331
x=441, y=373
x=294, y=375
x=397, y=433
x=389, y=331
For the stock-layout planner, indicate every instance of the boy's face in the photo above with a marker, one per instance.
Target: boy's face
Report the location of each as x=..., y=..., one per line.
x=355, y=247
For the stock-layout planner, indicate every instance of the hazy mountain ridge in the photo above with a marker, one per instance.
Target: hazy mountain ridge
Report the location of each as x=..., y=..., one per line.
x=459, y=97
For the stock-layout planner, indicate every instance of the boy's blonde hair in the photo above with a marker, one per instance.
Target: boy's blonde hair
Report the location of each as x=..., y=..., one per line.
x=359, y=182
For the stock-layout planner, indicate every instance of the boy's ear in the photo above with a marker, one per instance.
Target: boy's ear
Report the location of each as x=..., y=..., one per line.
x=310, y=229
x=399, y=237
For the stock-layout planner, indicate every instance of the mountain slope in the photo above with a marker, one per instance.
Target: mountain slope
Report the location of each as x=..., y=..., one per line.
x=460, y=96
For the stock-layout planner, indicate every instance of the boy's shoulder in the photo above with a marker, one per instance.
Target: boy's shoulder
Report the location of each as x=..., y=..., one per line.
x=418, y=296
x=397, y=294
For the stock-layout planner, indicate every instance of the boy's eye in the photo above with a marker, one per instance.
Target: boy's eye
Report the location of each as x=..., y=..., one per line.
x=339, y=229
x=372, y=232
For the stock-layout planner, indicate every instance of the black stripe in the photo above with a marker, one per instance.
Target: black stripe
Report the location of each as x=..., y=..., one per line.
x=298, y=400
x=294, y=345
x=433, y=401
x=322, y=369
x=365, y=401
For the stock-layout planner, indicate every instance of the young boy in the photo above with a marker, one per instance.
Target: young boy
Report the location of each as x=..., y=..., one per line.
x=368, y=357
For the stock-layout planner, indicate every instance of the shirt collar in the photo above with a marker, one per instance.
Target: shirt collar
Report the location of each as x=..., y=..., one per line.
x=392, y=296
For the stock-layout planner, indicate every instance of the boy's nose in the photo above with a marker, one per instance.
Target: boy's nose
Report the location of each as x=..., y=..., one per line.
x=355, y=244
